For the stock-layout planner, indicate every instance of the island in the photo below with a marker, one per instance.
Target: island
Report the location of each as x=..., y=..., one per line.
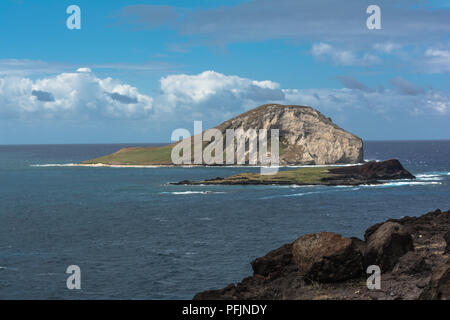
x=306, y=137
x=372, y=172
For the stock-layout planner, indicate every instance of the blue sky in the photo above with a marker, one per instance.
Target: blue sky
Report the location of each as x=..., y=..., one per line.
x=137, y=70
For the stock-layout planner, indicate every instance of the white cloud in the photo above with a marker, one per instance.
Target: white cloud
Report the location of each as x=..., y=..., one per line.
x=438, y=102
x=214, y=93
x=386, y=47
x=71, y=95
x=347, y=101
x=437, y=60
x=87, y=70
x=342, y=57
x=208, y=95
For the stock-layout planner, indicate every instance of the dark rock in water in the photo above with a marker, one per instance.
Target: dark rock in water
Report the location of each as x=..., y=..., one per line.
x=447, y=240
x=384, y=170
x=439, y=286
x=422, y=272
x=386, y=245
x=369, y=173
x=181, y=183
x=328, y=257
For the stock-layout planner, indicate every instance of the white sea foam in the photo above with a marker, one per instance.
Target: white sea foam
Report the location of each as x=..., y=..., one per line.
x=103, y=165
x=55, y=165
x=192, y=192
x=329, y=189
x=401, y=184
x=204, y=219
x=432, y=176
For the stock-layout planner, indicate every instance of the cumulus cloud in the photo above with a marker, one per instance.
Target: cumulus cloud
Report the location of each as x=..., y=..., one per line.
x=72, y=95
x=212, y=95
x=209, y=95
x=215, y=93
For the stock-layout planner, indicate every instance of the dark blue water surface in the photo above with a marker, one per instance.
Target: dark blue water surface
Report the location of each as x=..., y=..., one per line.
x=136, y=237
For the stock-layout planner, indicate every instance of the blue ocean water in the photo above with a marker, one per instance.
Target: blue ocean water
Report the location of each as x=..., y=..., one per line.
x=136, y=237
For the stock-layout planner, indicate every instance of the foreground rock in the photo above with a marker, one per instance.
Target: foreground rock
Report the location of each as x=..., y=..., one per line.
x=306, y=137
x=328, y=257
x=369, y=173
x=439, y=286
x=328, y=266
x=386, y=243
x=447, y=239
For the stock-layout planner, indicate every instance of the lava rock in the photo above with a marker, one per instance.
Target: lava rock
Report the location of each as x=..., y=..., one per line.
x=328, y=257
x=439, y=286
x=386, y=244
x=412, y=263
x=275, y=262
x=373, y=170
x=447, y=240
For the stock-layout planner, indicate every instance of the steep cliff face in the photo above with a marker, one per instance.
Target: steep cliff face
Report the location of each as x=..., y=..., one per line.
x=306, y=136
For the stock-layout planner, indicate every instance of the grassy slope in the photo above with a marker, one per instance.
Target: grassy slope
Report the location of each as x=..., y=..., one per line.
x=136, y=156
x=301, y=176
x=147, y=156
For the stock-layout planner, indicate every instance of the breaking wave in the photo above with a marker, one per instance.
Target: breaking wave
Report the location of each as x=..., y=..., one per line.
x=192, y=192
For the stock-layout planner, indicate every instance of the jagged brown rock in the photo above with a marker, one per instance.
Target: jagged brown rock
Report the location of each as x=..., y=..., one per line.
x=447, y=240
x=386, y=244
x=328, y=257
x=273, y=262
x=384, y=170
x=439, y=286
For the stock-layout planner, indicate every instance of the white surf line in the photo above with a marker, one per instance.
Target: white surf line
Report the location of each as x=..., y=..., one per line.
x=98, y=165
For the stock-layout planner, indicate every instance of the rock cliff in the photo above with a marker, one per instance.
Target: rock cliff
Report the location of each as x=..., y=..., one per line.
x=306, y=135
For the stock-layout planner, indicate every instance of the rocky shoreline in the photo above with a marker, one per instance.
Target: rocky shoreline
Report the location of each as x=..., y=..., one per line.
x=412, y=253
x=369, y=173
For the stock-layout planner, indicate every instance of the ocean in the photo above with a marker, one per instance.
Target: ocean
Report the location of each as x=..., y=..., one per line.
x=136, y=237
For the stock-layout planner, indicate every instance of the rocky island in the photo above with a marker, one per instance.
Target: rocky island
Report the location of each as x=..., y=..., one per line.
x=369, y=173
x=305, y=137
x=412, y=253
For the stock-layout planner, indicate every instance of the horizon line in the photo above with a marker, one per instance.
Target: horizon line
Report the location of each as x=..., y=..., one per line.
x=167, y=143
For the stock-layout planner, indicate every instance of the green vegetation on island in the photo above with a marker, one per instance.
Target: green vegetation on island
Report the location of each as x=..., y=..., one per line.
x=369, y=173
x=299, y=176
x=136, y=156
